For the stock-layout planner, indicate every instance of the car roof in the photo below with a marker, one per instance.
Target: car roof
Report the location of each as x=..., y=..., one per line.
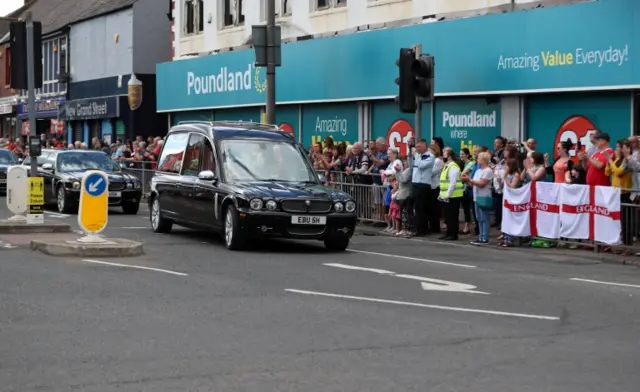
x=234, y=129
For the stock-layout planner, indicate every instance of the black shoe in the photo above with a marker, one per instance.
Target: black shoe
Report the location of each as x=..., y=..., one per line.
x=443, y=238
x=451, y=239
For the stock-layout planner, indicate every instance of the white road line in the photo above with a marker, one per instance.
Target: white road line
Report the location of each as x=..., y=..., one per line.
x=135, y=267
x=132, y=227
x=412, y=258
x=426, y=283
x=56, y=215
x=419, y=305
x=607, y=283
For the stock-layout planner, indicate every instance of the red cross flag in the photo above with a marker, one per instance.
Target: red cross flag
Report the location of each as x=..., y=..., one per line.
x=591, y=212
x=532, y=210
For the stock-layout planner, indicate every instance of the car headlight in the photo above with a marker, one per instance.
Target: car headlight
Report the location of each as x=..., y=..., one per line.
x=255, y=204
x=129, y=185
x=271, y=205
x=339, y=207
x=350, y=206
x=137, y=185
x=75, y=185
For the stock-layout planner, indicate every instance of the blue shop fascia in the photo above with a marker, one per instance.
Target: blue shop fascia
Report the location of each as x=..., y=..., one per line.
x=520, y=74
x=100, y=109
x=46, y=117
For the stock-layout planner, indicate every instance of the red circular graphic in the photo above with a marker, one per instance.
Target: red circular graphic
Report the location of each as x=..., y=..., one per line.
x=286, y=127
x=577, y=128
x=399, y=134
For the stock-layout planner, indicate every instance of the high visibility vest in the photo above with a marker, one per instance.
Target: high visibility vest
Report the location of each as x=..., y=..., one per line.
x=458, y=191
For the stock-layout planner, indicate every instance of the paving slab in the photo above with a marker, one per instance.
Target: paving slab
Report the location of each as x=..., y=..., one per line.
x=13, y=227
x=112, y=247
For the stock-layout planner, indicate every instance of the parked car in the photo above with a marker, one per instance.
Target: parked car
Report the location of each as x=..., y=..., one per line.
x=245, y=180
x=63, y=170
x=6, y=159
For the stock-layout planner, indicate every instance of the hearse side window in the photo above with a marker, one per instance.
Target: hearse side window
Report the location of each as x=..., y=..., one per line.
x=171, y=157
x=208, y=159
x=193, y=155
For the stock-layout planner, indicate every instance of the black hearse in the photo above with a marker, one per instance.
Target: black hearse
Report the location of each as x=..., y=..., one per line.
x=63, y=171
x=245, y=180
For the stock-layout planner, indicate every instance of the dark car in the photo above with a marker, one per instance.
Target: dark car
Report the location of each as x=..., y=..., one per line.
x=7, y=159
x=63, y=170
x=245, y=180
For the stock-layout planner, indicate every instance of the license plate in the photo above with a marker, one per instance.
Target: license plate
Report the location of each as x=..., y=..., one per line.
x=309, y=220
x=115, y=194
x=3, y=181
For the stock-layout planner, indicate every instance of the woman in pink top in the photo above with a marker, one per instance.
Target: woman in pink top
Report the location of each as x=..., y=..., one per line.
x=560, y=167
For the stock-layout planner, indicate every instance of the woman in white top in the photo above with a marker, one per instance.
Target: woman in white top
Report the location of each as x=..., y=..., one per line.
x=394, y=161
x=481, y=183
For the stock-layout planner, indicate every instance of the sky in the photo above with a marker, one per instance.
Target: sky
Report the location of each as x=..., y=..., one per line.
x=6, y=6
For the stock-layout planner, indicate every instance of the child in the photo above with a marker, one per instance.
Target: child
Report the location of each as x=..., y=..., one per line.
x=394, y=210
x=387, y=203
x=512, y=180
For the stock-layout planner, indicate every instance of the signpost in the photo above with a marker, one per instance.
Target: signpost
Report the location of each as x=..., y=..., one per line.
x=93, y=212
x=17, y=192
x=35, y=198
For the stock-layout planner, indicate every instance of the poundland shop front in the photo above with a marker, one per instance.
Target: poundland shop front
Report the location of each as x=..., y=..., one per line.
x=544, y=73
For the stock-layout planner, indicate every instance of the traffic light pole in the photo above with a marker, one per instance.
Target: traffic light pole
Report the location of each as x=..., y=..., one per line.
x=31, y=89
x=418, y=116
x=271, y=66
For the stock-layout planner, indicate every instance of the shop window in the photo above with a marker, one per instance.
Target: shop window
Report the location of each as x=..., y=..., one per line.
x=233, y=13
x=171, y=157
x=7, y=67
x=193, y=156
x=193, y=18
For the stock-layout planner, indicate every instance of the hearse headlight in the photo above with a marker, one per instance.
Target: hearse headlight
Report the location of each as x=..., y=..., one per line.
x=255, y=204
x=339, y=207
x=271, y=205
x=350, y=206
x=75, y=185
x=129, y=185
x=137, y=185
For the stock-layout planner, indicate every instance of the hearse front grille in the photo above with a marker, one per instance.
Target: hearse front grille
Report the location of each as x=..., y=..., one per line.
x=301, y=206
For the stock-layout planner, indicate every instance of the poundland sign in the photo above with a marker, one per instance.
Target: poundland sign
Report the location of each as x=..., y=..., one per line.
x=90, y=109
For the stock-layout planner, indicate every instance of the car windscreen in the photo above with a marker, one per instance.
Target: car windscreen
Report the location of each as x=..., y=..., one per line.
x=78, y=161
x=264, y=160
x=7, y=158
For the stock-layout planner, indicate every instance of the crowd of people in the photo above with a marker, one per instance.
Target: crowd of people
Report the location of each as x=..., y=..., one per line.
x=424, y=194
x=138, y=153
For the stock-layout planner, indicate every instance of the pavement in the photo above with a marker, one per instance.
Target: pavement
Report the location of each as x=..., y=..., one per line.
x=387, y=315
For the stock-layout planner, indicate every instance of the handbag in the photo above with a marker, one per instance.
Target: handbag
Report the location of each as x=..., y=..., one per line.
x=484, y=202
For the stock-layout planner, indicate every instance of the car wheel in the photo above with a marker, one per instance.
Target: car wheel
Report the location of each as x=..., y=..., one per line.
x=130, y=208
x=158, y=223
x=233, y=238
x=62, y=201
x=337, y=243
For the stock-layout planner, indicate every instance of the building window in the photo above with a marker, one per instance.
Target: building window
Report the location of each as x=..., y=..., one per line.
x=193, y=17
x=319, y=5
x=64, y=66
x=233, y=13
x=283, y=9
x=55, y=62
x=7, y=66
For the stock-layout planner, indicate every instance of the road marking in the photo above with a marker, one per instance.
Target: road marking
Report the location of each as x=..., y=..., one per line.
x=420, y=305
x=608, y=283
x=135, y=267
x=427, y=283
x=412, y=258
x=133, y=227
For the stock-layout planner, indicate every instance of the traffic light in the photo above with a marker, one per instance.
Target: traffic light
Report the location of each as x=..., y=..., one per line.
x=406, y=82
x=423, y=69
x=18, y=47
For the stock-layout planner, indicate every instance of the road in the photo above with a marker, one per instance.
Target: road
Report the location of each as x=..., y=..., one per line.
x=388, y=315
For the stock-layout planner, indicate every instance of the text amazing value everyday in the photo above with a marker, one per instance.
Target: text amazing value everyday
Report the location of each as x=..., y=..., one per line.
x=221, y=82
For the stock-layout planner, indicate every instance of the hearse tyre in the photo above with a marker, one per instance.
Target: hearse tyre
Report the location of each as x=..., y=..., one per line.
x=159, y=224
x=336, y=242
x=62, y=201
x=233, y=236
x=130, y=208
